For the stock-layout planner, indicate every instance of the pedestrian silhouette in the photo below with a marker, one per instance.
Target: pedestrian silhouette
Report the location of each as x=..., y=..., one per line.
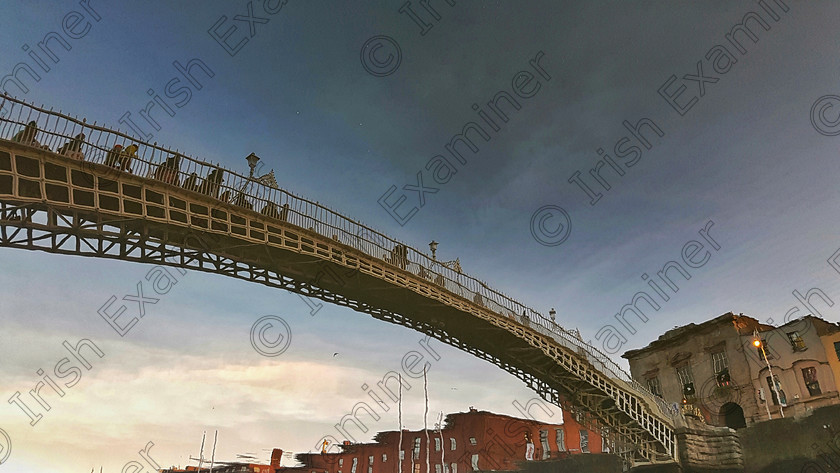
x=27, y=135
x=73, y=148
x=168, y=170
x=211, y=185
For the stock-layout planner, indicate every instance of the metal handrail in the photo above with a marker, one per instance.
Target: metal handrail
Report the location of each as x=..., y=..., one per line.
x=245, y=191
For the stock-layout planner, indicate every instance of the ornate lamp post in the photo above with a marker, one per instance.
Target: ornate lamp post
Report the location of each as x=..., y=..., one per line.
x=252, y=163
x=433, y=246
x=758, y=344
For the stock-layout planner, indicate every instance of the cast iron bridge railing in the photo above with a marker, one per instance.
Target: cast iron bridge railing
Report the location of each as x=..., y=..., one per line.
x=84, y=143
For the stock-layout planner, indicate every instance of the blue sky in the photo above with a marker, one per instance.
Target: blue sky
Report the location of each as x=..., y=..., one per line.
x=746, y=156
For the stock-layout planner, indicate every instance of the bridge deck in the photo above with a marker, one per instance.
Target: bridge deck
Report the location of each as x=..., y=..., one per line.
x=179, y=214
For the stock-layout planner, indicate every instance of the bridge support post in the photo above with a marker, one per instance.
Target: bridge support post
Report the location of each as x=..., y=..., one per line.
x=702, y=448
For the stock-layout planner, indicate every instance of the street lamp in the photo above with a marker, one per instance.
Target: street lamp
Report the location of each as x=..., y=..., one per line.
x=252, y=163
x=758, y=344
x=433, y=246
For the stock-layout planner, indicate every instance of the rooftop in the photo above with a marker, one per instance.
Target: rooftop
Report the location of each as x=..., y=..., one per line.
x=741, y=323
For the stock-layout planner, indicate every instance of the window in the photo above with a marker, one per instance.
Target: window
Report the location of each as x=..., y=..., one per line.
x=686, y=379
x=452, y=444
x=720, y=367
x=766, y=349
x=654, y=387
x=810, y=375
x=544, y=443
x=584, y=441
x=472, y=441
x=437, y=468
x=474, y=461
x=416, y=468
x=384, y=457
x=355, y=463
x=796, y=341
x=416, y=455
x=402, y=455
x=340, y=462
x=370, y=464
x=437, y=444
x=837, y=350
x=773, y=392
x=454, y=467
x=561, y=440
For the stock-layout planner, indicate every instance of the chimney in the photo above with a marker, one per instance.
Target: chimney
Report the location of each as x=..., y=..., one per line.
x=276, y=456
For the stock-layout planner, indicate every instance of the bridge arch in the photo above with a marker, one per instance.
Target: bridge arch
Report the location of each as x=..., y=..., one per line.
x=61, y=204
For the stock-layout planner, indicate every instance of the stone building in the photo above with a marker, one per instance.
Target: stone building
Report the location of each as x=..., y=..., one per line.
x=831, y=344
x=715, y=369
x=801, y=365
x=703, y=366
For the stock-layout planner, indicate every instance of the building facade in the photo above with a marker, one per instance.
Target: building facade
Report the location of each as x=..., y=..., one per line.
x=800, y=363
x=468, y=441
x=702, y=366
x=717, y=369
x=831, y=344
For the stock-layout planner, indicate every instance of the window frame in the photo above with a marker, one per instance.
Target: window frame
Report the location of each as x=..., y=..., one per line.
x=685, y=376
x=796, y=341
x=766, y=350
x=782, y=394
x=654, y=385
x=814, y=384
x=546, y=449
x=584, y=441
x=560, y=439
x=720, y=367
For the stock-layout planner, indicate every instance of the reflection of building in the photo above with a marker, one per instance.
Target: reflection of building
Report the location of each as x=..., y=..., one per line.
x=801, y=365
x=703, y=365
x=715, y=369
x=831, y=344
x=474, y=440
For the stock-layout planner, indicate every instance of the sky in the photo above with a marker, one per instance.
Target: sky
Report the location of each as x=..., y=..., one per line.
x=347, y=102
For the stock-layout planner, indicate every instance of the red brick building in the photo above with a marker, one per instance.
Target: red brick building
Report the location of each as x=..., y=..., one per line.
x=474, y=440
